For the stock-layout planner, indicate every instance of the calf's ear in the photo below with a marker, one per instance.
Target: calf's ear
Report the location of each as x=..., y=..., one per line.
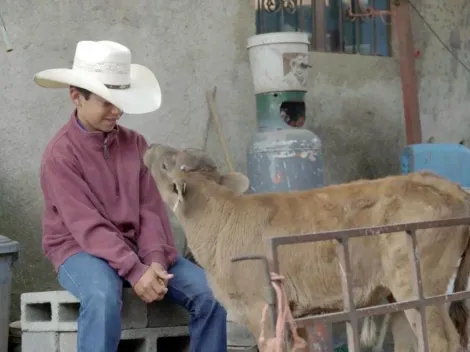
x=235, y=181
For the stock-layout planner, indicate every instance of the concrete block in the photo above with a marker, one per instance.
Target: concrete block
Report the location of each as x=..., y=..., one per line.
x=173, y=339
x=239, y=337
x=134, y=311
x=67, y=341
x=40, y=342
x=58, y=311
x=242, y=349
x=165, y=313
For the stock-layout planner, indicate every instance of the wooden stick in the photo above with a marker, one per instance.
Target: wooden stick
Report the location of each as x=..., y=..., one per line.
x=215, y=116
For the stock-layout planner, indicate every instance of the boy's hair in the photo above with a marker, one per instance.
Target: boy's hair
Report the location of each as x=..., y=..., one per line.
x=86, y=93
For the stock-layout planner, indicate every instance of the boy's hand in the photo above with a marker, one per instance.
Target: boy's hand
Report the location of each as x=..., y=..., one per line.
x=150, y=286
x=161, y=273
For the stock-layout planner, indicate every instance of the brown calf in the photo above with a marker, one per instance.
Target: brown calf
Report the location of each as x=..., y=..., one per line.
x=221, y=223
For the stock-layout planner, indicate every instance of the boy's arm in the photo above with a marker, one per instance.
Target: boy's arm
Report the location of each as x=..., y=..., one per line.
x=155, y=229
x=68, y=193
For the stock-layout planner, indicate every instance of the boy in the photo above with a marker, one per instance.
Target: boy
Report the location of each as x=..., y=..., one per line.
x=104, y=223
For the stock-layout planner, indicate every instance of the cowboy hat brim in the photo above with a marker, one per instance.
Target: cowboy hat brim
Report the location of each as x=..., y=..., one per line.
x=143, y=96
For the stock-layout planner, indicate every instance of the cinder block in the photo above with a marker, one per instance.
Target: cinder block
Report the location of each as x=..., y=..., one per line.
x=58, y=311
x=40, y=342
x=165, y=313
x=67, y=341
x=134, y=311
x=242, y=349
x=173, y=339
x=239, y=337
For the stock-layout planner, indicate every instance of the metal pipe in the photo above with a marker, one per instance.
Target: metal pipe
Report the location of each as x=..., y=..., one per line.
x=319, y=30
x=340, y=27
x=356, y=8
x=402, y=27
x=373, y=48
x=6, y=38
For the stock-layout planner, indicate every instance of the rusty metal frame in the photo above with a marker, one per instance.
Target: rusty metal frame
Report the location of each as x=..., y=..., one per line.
x=350, y=314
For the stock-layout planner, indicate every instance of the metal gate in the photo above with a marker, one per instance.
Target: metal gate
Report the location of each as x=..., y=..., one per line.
x=350, y=314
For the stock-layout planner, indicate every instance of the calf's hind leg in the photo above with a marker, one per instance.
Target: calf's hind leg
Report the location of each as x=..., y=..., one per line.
x=442, y=335
x=404, y=339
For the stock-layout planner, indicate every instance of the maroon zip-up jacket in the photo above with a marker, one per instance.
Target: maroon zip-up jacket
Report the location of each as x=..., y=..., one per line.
x=100, y=198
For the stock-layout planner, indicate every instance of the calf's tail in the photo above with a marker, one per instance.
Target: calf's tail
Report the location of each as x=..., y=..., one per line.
x=458, y=310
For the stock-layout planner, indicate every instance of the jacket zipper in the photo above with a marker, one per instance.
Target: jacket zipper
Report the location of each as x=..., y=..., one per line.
x=106, y=157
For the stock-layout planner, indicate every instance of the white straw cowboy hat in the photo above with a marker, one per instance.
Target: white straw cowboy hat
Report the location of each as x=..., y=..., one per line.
x=105, y=68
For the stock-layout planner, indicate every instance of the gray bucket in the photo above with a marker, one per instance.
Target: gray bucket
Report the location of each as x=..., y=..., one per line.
x=8, y=254
x=14, y=342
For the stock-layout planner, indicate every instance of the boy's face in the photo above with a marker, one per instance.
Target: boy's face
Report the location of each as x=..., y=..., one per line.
x=95, y=113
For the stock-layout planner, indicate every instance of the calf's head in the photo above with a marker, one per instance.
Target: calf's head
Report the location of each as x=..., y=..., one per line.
x=177, y=173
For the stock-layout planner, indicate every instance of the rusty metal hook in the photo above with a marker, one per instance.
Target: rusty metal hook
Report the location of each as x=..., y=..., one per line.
x=256, y=257
x=250, y=257
x=267, y=272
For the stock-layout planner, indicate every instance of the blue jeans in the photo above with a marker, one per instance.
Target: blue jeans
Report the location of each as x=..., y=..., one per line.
x=99, y=289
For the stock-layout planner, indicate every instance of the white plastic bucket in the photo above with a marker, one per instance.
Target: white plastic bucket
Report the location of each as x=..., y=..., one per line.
x=279, y=61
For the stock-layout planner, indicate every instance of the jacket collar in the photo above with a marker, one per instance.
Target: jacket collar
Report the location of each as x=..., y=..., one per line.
x=96, y=139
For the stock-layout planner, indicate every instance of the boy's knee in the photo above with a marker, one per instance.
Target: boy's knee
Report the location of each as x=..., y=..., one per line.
x=106, y=300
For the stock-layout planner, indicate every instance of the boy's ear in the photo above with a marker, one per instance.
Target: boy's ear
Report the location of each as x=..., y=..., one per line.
x=75, y=96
